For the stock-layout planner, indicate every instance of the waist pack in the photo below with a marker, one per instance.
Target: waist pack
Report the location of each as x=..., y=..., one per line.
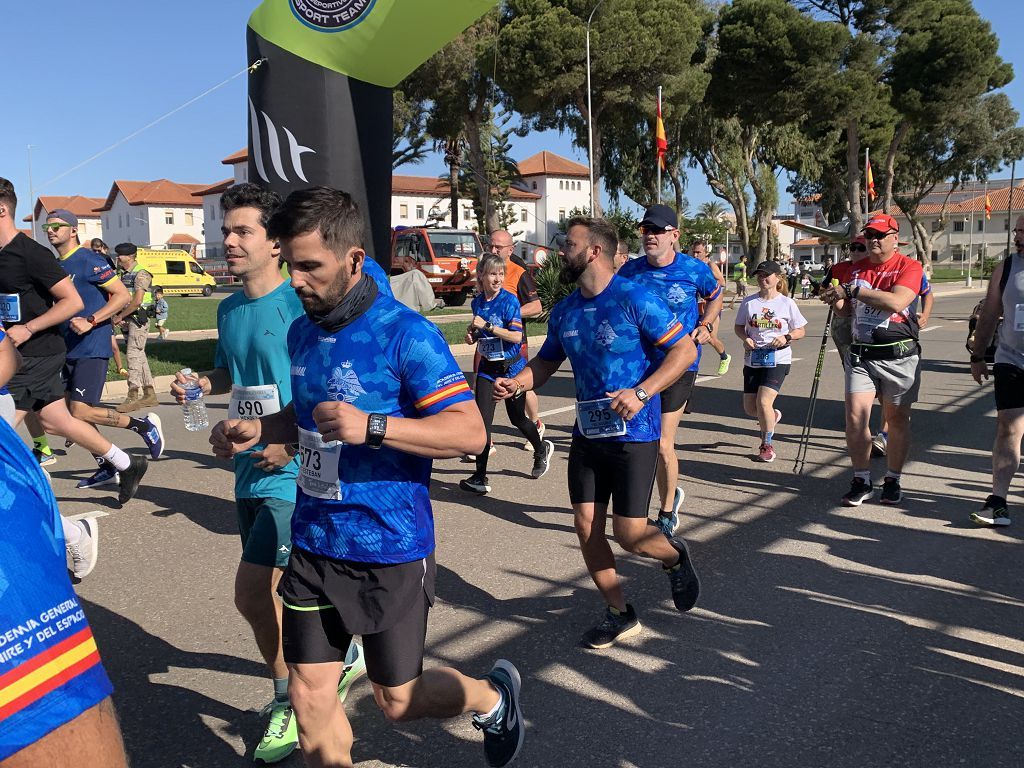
x=894, y=351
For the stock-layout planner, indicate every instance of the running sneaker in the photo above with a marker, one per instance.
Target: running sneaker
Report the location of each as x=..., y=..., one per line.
x=129, y=479
x=682, y=577
x=83, y=554
x=352, y=672
x=281, y=736
x=766, y=453
x=105, y=475
x=475, y=484
x=470, y=458
x=154, y=435
x=668, y=524
x=528, y=446
x=860, y=491
x=504, y=731
x=68, y=442
x=614, y=626
x=542, y=459
x=44, y=459
x=778, y=416
x=891, y=491
x=994, y=512
x=879, y=445
x=723, y=365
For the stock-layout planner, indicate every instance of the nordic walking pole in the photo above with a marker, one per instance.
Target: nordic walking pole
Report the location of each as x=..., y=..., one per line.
x=805, y=434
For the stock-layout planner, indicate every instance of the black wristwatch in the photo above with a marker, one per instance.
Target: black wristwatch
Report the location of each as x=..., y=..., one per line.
x=641, y=394
x=788, y=338
x=376, y=427
x=488, y=326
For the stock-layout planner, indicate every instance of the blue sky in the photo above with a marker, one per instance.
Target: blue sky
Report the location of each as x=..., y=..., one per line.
x=83, y=76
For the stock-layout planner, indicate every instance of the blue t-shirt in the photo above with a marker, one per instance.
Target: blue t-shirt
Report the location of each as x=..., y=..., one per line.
x=503, y=312
x=50, y=670
x=379, y=276
x=89, y=272
x=252, y=346
x=389, y=360
x=613, y=341
x=682, y=285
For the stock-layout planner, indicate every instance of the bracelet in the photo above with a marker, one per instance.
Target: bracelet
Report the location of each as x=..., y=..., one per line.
x=519, y=387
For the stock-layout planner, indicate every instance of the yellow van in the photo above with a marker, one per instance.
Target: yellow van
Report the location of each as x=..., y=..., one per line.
x=177, y=272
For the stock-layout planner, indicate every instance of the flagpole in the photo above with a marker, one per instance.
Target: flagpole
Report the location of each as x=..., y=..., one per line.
x=867, y=165
x=984, y=233
x=658, y=151
x=1009, y=207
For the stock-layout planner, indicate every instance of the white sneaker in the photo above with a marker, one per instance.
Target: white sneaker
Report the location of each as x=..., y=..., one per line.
x=84, y=553
x=879, y=445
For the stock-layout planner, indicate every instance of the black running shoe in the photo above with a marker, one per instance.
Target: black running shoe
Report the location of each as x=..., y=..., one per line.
x=131, y=477
x=891, y=491
x=504, y=731
x=542, y=459
x=860, y=491
x=614, y=627
x=476, y=484
x=683, y=577
x=994, y=512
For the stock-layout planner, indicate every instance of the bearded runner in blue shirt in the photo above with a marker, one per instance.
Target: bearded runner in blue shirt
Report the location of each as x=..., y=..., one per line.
x=613, y=332
x=683, y=282
x=376, y=396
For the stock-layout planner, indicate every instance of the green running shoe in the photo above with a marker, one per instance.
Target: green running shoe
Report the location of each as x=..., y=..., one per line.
x=281, y=737
x=723, y=365
x=355, y=667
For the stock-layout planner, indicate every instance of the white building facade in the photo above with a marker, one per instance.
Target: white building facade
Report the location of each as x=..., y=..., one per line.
x=154, y=214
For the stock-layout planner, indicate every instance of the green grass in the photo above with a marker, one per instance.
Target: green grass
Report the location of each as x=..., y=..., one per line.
x=952, y=274
x=168, y=357
x=185, y=313
x=465, y=310
x=455, y=333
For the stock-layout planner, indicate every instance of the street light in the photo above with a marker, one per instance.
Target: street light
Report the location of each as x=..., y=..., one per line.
x=590, y=113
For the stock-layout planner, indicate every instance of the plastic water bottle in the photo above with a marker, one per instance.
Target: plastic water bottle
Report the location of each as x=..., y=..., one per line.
x=194, y=407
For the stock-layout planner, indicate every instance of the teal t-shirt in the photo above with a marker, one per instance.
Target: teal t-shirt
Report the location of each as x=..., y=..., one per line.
x=253, y=347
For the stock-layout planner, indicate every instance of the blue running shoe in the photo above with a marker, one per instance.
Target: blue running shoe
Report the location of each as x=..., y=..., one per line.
x=154, y=435
x=668, y=524
x=105, y=475
x=504, y=730
x=44, y=459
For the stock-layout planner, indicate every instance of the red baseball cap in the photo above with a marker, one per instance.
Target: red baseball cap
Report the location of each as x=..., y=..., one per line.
x=882, y=222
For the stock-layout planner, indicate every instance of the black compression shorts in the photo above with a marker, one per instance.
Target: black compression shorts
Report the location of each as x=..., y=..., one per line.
x=600, y=470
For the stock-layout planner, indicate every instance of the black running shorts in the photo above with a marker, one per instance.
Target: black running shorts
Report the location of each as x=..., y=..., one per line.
x=37, y=383
x=327, y=601
x=1009, y=386
x=754, y=378
x=600, y=470
x=675, y=395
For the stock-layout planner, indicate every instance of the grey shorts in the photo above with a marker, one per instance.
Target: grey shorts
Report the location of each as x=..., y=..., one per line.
x=897, y=381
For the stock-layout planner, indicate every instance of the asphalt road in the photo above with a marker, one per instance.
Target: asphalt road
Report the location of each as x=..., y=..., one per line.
x=825, y=636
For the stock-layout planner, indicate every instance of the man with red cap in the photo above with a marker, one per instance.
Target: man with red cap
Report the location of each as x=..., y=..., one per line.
x=884, y=358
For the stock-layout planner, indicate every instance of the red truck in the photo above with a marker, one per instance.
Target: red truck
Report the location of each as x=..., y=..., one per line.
x=447, y=257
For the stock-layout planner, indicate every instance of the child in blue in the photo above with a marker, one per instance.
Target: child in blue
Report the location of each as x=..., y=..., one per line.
x=162, y=311
x=497, y=330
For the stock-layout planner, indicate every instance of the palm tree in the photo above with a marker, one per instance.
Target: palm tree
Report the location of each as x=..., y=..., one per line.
x=712, y=210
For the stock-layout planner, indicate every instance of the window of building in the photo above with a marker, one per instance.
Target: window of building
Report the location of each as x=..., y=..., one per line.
x=981, y=224
x=958, y=226
x=522, y=214
x=168, y=217
x=403, y=211
x=467, y=212
x=561, y=184
x=936, y=225
x=561, y=214
x=81, y=229
x=189, y=219
x=120, y=223
x=535, y=185
x=419, y=211
x=935, y=255
x=1006, y=225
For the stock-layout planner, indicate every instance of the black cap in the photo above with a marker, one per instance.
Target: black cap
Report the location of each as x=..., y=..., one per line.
x=125, y=249
x=660, y=216
x=769, y=268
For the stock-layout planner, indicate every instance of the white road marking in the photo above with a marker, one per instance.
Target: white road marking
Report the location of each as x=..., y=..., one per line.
x=86, y=515
x=930, y=328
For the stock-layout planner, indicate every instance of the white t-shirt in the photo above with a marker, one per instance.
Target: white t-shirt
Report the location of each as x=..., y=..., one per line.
x=765, y=320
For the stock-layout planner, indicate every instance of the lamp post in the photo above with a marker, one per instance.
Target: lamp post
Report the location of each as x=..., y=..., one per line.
x=970, y=249
x=31, y=190
x=590, y=113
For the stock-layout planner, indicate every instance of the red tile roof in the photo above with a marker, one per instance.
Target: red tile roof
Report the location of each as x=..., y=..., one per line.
x=549, y=164
x=220, y=186
x=83, y=207
x=179, y=237
x=432, y=186
x=159, y=192
x=241, y=156
x=808, y=241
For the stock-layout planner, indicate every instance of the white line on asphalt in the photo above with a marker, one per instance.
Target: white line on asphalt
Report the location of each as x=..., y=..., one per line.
x=930, y=328
x=85, y=515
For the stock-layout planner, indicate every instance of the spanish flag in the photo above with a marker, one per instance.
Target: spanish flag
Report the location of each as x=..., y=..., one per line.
x=870, y=179
x=660, y=142
x=988, y=207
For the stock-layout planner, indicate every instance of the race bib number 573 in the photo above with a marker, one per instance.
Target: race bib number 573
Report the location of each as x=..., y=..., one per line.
x=318, y=466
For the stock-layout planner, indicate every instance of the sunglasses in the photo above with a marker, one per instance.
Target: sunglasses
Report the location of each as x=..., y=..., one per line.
x=55, y=227
x=649, y=230
x=872, y=235
x=858, y=247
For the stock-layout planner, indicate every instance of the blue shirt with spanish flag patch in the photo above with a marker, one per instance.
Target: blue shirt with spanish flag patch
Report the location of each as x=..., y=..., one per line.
x=502, y=312
x=393, y=361
x=50, y=670
x=614, y=341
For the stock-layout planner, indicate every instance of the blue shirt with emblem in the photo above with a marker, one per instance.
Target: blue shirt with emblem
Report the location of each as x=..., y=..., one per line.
x=252, y=346
x=49, y=663
x=389, y=360
x=614, y=341
x=89, y=272
x=502, y=312
x=681, y=284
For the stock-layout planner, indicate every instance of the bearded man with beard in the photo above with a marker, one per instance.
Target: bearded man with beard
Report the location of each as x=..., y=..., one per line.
x=625, y=346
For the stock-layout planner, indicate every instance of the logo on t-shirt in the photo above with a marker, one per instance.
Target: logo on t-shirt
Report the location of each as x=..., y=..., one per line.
x=344, y=384
x=676, y=294
x=606, y=334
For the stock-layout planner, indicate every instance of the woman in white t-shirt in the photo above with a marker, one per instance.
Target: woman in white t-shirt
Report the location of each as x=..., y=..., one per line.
x=767, y=322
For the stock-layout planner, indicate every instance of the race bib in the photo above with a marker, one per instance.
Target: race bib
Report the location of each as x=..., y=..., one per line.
x=867, y=320
x=253, y=402
x=318, y=466
x=10, y=308
x=491, y=348
x=1018, y=318
x=595, y=418
x=762, y=358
